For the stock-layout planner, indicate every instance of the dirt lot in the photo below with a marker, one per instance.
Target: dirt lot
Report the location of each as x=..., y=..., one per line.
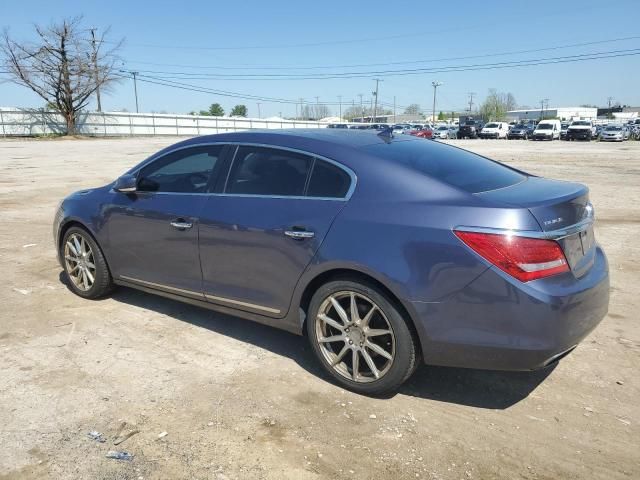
x=239, y=400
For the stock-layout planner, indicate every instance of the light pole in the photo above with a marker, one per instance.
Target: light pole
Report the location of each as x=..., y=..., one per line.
x=340, y=104
x=435, y=88
x=259, y=114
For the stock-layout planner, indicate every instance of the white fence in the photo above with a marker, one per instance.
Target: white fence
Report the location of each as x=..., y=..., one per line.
x=24, y=122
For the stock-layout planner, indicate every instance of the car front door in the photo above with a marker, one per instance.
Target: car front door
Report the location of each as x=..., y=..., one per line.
x=153, y=232
x=261, y=231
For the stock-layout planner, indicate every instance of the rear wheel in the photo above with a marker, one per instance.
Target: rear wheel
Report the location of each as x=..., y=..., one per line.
x=84, y=264
x=360, y=337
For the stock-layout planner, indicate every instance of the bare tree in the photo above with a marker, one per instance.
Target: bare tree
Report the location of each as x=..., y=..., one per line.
x=64, y=66
x=413, y=109
x=497, y=104
x=315, y=111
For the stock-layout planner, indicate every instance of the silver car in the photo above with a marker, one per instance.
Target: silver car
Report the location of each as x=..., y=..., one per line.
x=441, y=132
x=614, y=133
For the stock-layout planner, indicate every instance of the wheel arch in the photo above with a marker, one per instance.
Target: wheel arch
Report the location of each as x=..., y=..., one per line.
x=351, y=273
x=64, y=228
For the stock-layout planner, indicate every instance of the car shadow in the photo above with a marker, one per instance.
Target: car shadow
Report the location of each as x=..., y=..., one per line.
x=476, y=388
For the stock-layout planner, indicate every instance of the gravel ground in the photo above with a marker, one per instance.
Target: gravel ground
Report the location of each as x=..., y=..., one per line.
x=239, y=400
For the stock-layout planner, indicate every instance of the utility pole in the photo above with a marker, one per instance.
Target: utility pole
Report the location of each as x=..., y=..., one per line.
x=340, y=103
x=471, y=94
x=94, y=60
x=609, y=100
x=542, y=104
x=361, y=108
x=296, y=111
x=259, y=114
x=317, y=115
x=394, y=109
x=135, y=89
x=433, y=112
x=375, y=105
x=301, y=108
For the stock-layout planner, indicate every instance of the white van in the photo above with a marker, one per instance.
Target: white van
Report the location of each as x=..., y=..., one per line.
x=547, y=130
x=494, y=130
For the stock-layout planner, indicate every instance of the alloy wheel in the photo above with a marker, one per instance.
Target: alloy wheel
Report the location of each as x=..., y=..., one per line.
x=355, y=337
x=79, y=262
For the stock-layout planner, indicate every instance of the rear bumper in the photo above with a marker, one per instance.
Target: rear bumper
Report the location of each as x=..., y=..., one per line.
x=499, y=323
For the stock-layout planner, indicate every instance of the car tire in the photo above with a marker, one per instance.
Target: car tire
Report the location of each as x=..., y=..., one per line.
x=85, y=267
x=353, y=342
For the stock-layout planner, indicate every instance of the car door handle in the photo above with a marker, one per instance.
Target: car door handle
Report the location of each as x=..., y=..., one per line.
x=299, y=234
x=180, y=224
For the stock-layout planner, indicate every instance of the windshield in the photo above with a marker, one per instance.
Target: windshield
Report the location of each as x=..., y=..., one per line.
x=545, y=126
x=491, y=125
x=443, y=128
x=582, y=123
x=454, y=166
x=613, y=129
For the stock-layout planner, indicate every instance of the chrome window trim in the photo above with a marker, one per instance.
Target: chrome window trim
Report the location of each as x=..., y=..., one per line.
x=548, y=235
x=202, y=295
x=351, y=173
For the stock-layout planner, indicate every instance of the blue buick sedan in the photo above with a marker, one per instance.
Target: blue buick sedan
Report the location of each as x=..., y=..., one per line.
x=385, y=252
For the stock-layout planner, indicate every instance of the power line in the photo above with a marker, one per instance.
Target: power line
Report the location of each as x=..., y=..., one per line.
x=402, y=72
x=407, y=62
x=288, y=45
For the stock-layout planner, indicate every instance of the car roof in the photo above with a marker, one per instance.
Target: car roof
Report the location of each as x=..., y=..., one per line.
x=314, y=140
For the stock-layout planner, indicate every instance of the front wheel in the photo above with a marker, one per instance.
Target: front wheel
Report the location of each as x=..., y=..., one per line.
x=360, y=337
x=85, y=267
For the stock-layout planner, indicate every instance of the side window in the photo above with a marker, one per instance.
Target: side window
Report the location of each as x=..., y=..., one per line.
x=186, y=171
x=268, y=171
x=328, y=181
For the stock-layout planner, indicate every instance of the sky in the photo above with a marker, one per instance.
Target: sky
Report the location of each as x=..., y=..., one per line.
x=219, y=45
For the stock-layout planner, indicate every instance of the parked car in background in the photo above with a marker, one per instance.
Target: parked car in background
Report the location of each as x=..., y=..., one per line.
x=494, y=130
x=442, y=132
x=581, y=130
x=521, y=131
x=337, y=125
x=453, y=130
x=613, y=133
x=426, y=132
x=547, y=130
x=563, y=130
x=401, y=128
x=470, y=129
x=485, y=267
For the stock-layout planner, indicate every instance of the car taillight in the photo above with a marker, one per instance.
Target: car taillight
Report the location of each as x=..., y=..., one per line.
x=524, y=258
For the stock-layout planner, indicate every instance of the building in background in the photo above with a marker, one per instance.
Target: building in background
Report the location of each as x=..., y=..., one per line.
x=562, y=113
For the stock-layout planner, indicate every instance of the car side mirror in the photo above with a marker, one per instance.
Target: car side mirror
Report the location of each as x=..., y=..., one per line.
x=127, y=183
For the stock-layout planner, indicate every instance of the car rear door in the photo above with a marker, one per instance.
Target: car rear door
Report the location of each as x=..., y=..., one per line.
x=153, y=233
x=261, y=231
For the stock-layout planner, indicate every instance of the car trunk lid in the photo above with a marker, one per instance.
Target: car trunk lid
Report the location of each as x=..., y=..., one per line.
x=556, y=206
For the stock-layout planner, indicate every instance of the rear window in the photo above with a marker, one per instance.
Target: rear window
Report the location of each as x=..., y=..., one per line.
x=456, y=167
